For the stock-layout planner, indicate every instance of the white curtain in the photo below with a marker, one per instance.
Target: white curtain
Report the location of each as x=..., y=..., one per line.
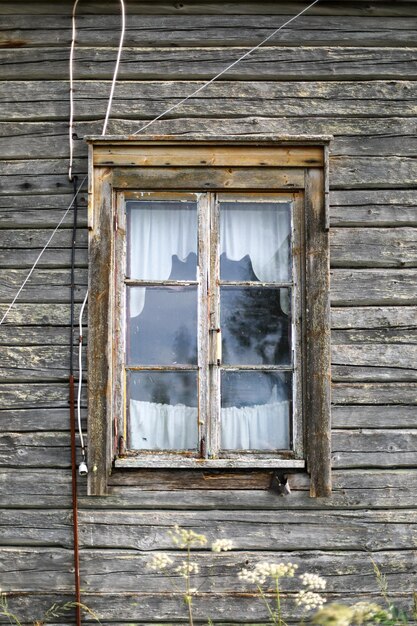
x=156, y=235
x=156, y=426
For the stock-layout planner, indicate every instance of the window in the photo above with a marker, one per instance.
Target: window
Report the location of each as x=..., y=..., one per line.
x=209, y=306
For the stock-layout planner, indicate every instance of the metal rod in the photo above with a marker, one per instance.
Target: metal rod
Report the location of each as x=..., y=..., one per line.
x=72, y=420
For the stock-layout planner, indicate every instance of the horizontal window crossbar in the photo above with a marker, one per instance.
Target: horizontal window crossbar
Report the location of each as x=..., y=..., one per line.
x=162, y=368
x=252, y=283
x=130, y=282
x=262, y=368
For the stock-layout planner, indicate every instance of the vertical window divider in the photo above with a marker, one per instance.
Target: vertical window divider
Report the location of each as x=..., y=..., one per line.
x=214, y=368
x=203, y=277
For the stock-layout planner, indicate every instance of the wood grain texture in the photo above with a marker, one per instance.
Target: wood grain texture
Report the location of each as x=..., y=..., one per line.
x=100, y=570
x=251, y=530
x=196, y=7
x=268, y=63
x=331, y=103
x=207, y=30
x=122, y=608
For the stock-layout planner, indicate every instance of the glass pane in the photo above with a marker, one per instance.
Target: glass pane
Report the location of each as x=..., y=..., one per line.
x=255, y=410
x=162, y=326
x=163, y=413
x=162, y=240
x=256, y=325
x=255, y=241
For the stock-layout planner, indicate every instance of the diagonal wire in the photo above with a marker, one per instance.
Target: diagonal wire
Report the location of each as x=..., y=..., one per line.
x=11, y=305
x=226, y=69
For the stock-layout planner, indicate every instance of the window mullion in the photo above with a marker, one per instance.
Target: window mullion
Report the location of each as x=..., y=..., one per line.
x=214, y=300
x=203, y=277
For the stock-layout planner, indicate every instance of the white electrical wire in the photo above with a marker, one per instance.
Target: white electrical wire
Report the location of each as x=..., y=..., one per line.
x=226, y=69
x=71, y=147
x=71, y=77
x=80, y=373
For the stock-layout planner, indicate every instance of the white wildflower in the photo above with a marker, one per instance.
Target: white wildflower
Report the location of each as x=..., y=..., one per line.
x=313, y=581
x=184, y=538
x=309, y=600
x=265, y=570
x=366, y=611
x=277, y=570
x=252, y=576
x=222, y=545
x=159, y=561
x=186, y=568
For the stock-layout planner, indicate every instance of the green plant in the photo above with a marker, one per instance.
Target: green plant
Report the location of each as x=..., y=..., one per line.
x=187, y=540
x=56, y=610
x=267, y=579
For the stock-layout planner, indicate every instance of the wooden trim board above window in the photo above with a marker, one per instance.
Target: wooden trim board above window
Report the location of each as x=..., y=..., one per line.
x=209, y=336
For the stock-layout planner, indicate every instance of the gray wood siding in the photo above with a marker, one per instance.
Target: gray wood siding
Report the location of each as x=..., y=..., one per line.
x=345, y=68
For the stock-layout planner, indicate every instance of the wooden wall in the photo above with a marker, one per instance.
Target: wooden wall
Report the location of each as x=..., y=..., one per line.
x=345, y=68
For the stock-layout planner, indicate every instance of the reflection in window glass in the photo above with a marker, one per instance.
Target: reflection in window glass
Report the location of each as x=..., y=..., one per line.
x=163, y=410
x=165, y=330
x=161, y=233
x=255, y=410
x=255, y=328
x=256, y=235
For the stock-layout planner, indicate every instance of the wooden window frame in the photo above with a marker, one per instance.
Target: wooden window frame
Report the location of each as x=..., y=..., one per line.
x=121, y=167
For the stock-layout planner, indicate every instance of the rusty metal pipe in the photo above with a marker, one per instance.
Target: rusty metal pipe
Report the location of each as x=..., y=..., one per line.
x=72, y=423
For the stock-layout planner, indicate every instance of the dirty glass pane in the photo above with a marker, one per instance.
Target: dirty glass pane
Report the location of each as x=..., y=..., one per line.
x=255, y=410
x=162, y=326
x=255, y=241
x=256, y=325
x=163, y=413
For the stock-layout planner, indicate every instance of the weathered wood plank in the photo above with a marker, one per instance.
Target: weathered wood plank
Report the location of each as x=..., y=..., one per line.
x=37, y=211
x=374, y=393
x=374, y=417
x=398, y=208
x=270, y=62
x=168, y=607
x=209, y=178
x=368, y=324
x=38, y=176
x=379, y=448
x=373, y=287
x=137, y=156
x=207, y=30
x=52, y=258
x=43, y=315
x=37, y=238
x=38, y=335
x=375, y=247
x=372, y=172
x=355, y=7
x=250, y=530
x=35, y=449
x=100, y=569
x=370, y=362
x=35, y=363
x=30, y=100
x=21, y=420
x=401, y=335
x=35, y=395
x=43, y=286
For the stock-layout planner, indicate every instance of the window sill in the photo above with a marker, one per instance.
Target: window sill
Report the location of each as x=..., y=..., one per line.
x=181, y=462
